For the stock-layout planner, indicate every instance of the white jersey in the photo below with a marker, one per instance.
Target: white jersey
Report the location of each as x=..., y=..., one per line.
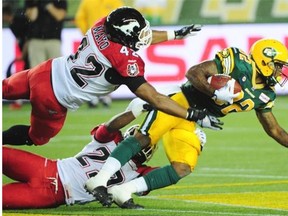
x=98, y=68
x=75, y=171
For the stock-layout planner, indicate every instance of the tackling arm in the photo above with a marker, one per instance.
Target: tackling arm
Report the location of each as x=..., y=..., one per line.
x=133, y=110
x=119, y=121
x=272, y=128
x=165, y=104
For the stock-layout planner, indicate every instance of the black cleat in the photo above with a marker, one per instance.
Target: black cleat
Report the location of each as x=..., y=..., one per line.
x=101, y=195
x=129, y=204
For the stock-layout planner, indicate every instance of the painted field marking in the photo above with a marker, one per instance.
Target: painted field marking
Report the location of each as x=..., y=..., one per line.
x=210, y=212
x=270, y=200
x=227, y=185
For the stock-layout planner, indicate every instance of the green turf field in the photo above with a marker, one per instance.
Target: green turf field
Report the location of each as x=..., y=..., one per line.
x=240, y=172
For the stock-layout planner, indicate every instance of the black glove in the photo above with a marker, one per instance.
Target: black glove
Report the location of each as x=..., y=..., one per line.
x=194, y=114
x=187, y=31
x=210, y=122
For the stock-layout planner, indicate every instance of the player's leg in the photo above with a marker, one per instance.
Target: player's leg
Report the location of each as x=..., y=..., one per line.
x=20, y=165
x=182, y=147
x=154, y=126
x=47, y=116
x=16, y=87
x=26, y=196
x=34, y=189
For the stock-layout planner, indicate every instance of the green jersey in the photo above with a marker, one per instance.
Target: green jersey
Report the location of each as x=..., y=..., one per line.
x=235, y=63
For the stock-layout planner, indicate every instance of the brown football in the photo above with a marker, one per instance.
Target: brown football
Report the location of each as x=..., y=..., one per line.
x=217, y=81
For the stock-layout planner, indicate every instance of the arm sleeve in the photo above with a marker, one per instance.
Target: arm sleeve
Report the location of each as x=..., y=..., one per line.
x=102, y=135
x=132, y=83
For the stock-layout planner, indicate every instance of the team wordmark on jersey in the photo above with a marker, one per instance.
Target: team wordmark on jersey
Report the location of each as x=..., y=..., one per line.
x=263, y=97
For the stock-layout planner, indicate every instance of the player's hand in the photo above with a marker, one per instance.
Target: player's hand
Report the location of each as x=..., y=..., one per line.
x=187, y=31
x=194, y=114
x=210, y=122
x=226, y=93
x=201, y=136
x=137, y=106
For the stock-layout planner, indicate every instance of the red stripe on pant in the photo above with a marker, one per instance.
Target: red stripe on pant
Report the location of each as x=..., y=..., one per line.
x=34, y=178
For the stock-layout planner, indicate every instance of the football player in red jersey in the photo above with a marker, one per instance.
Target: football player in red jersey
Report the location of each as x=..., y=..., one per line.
x=60, y=182
x=105, y=59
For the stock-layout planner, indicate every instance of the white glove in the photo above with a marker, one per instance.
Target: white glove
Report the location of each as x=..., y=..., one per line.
x=210, y=122
x=137, y=106
x=201, y=136
x=226, y=93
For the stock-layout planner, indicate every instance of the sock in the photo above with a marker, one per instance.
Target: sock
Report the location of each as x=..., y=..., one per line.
x=122, y=193
x=126, y=150
x=140, y=185
x=17, y=135
x=110, y=167
x=119, y=156
x=161, y=177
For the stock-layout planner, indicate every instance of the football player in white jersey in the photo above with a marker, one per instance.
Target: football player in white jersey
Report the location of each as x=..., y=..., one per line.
x=60, y=182
x=105, y=59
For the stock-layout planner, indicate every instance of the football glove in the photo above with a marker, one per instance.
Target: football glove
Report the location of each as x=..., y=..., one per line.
x=187, y=31
x=226, y=93
x=194, y=114
x=137, y=106
x=201, y=136
x=210, y=122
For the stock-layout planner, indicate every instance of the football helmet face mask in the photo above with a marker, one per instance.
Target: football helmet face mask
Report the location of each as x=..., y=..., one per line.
x=128, y=27
x=271, y=59
x=145, y=154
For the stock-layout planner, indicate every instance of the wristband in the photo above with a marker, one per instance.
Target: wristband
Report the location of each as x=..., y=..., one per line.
x=170, y=35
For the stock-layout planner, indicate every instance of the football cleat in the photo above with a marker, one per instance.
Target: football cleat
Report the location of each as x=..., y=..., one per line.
x=129, y=204
x=101, y=195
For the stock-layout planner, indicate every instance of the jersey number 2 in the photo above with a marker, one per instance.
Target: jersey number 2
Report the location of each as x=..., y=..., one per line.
x=91, y=68
x=101, y=154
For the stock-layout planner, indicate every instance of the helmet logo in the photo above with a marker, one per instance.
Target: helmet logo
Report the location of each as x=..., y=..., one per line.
x=128, y=28
x=269, y=52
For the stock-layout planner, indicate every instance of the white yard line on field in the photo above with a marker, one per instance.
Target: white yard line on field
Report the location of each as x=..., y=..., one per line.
x=209, y=212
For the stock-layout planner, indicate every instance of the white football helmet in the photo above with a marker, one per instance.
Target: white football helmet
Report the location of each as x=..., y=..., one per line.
x=127, y=26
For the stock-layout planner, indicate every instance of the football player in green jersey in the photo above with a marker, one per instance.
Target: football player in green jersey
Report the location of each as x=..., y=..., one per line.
x=257, y=73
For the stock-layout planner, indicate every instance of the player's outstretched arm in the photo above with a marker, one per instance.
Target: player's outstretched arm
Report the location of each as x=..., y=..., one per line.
x=165, y=104
x=133, y=110
x=272, y=128
x=187, y=31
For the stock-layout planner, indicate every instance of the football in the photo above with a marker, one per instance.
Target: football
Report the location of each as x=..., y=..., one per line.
x=217, y=81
